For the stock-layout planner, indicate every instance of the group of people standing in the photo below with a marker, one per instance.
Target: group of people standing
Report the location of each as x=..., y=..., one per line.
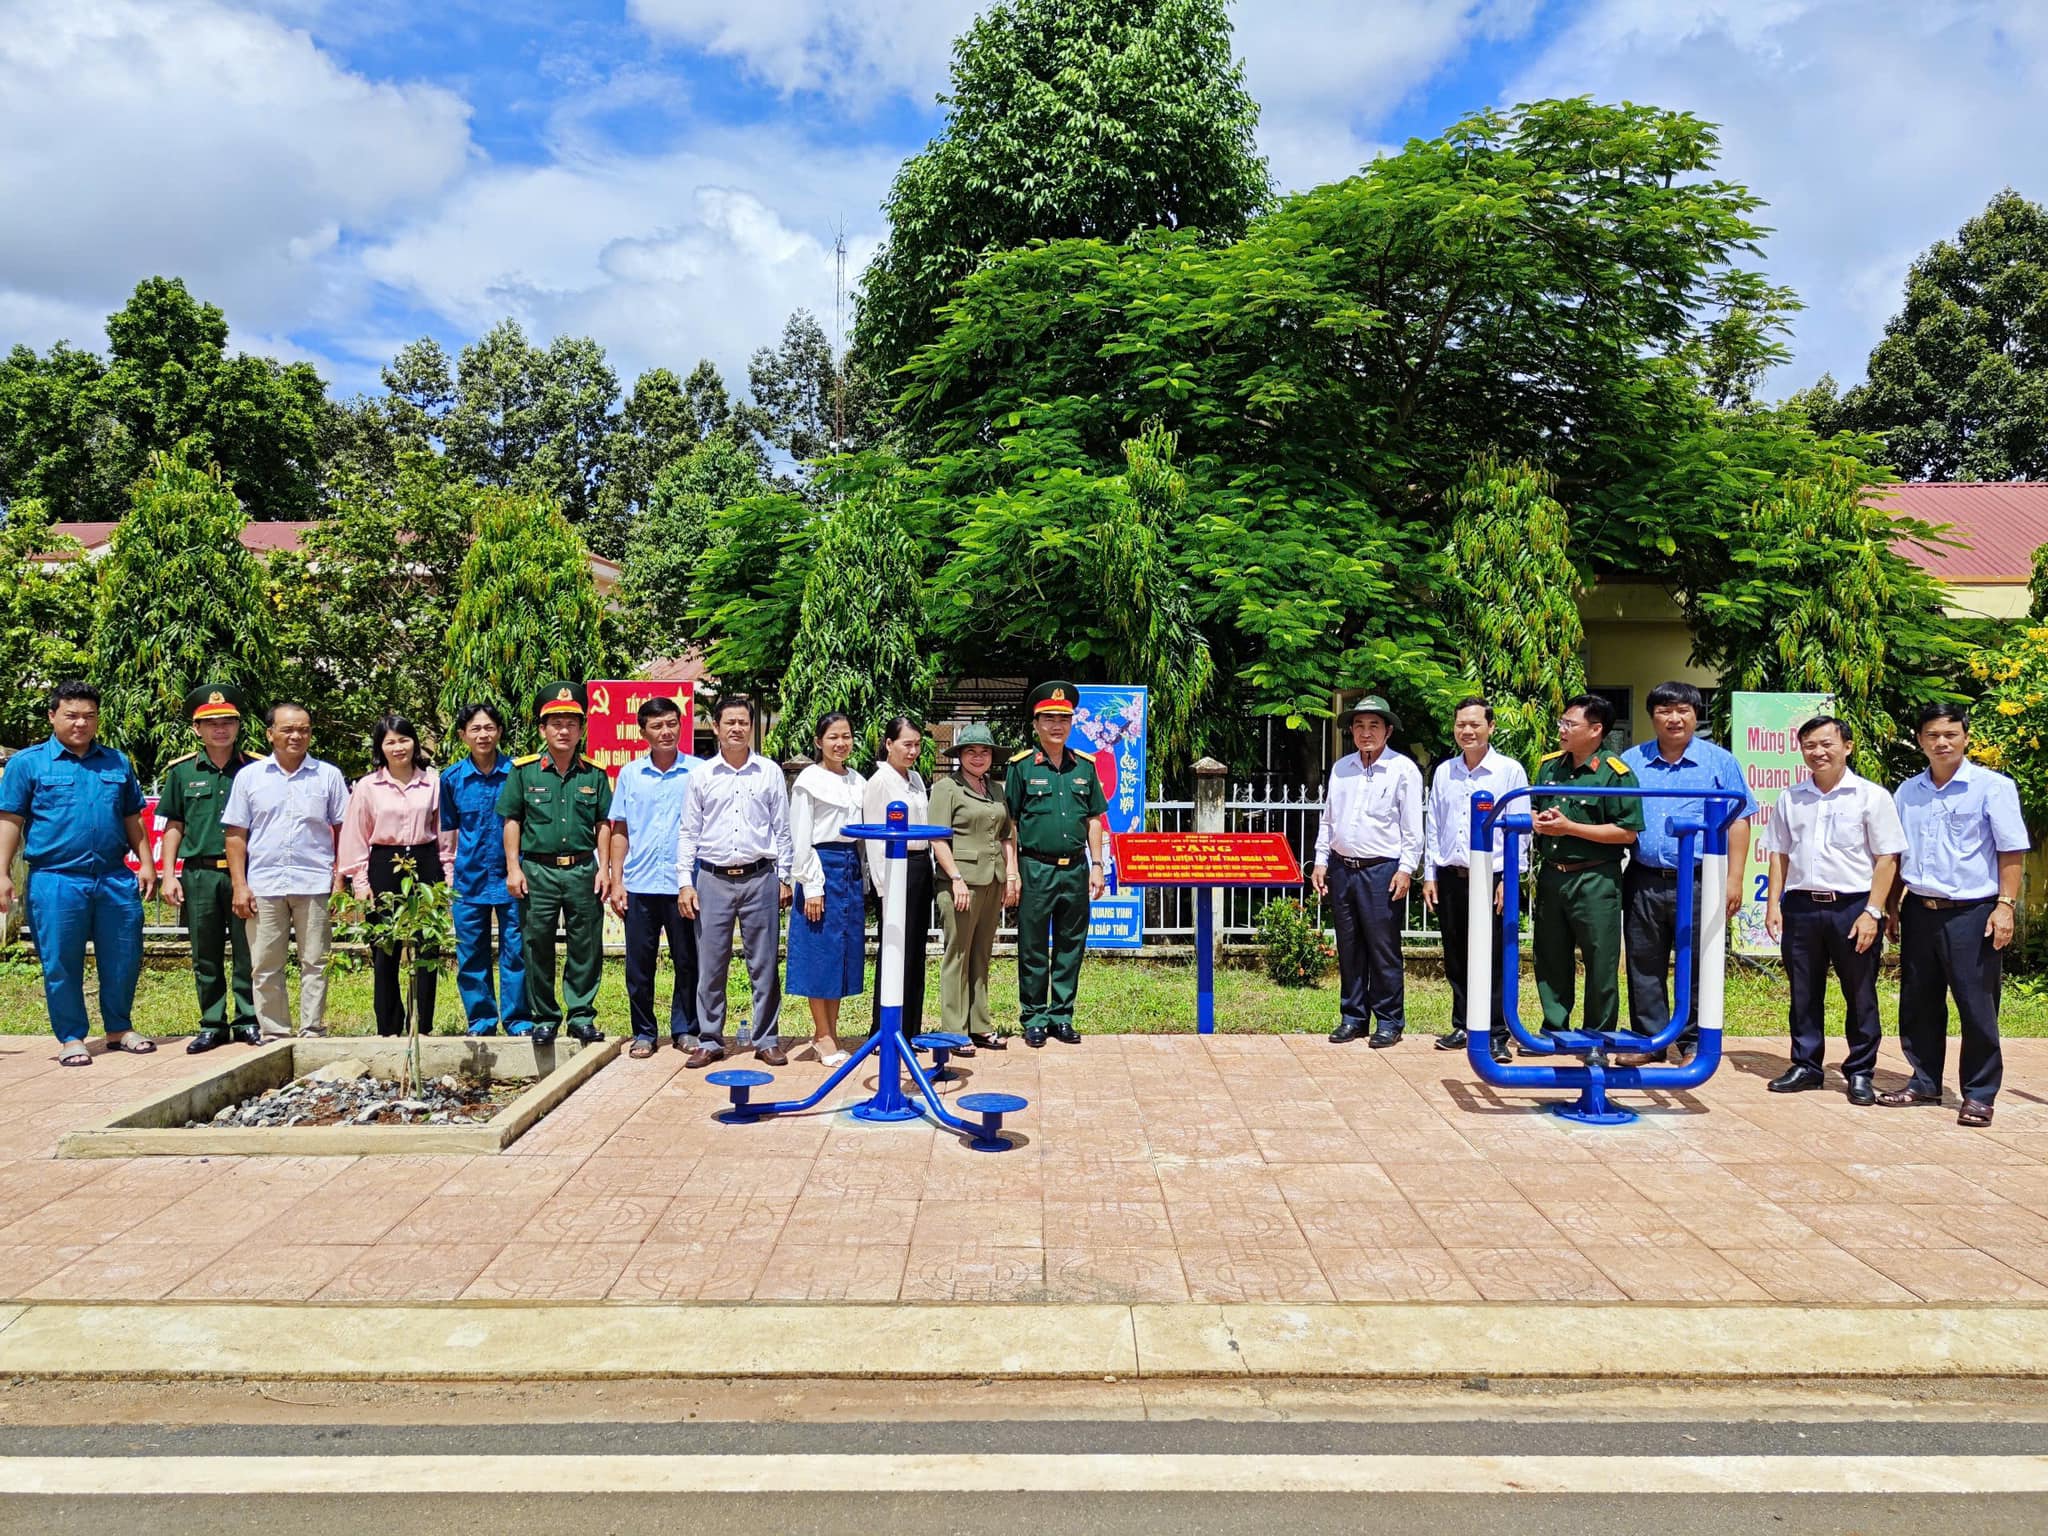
x=1936, y=866
x=697, y=851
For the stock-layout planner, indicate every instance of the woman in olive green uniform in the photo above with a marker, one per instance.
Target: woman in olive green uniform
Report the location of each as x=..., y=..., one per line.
x=973, y=862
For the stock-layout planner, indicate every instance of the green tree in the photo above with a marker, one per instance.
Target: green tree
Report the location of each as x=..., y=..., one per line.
x=46, y=619
x=1823, y=602
x=746, y=598
x=1516, y=591
x=1067, y=118
x=861, y=643
x=534, y=419
x=808, y=403
x=527, y=610
x=419, y=392
x=366, y=604
x=666, y=544
x=181, y=602
x=76, y=431
x=1958, y=387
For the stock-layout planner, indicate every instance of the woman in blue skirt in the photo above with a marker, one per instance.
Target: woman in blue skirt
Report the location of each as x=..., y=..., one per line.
x=827, y=921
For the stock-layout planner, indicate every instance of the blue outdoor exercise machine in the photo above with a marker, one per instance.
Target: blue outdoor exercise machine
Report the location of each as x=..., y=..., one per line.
x=1594, y=1074
x=894, y=1057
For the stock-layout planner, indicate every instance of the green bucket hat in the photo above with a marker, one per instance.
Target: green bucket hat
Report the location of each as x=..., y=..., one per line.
x=1371, y=704
x=974, y=735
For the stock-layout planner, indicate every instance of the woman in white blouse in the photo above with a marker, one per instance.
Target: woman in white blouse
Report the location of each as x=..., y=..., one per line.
x=827, y=921
x=896, y=778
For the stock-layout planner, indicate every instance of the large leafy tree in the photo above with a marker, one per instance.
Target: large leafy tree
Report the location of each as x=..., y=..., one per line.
x=76, y=430
x=365, y=606
x=667, y=543
x=1821, y=600
x=1067, y=118
x=46, y=619
x=527, y=610
x=181, y=602
x=533, y=418
x=810, y=403
x=1958, y=387
x=1516, y=594
x=861, y=644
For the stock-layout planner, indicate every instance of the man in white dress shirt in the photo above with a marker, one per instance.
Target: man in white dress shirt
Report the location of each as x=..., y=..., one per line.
x=733, y=868
x=1834, y=841
x=1477, y=769
x=1367, y=852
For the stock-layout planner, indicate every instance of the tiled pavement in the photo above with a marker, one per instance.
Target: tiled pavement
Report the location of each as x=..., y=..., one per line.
x=1156, y=1168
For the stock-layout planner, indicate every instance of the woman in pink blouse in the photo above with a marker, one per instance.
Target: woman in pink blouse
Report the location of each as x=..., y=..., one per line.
x=394, y=813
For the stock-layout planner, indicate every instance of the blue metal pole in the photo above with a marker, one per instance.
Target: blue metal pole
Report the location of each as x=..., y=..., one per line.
x=1205, y=962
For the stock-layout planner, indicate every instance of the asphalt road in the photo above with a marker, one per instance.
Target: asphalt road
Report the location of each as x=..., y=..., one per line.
x=1906, y=1475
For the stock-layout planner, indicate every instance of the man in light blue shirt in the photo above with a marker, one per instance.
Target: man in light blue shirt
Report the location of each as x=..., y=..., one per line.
x=1678, y=758
x=647, y=811
x=1960, y=877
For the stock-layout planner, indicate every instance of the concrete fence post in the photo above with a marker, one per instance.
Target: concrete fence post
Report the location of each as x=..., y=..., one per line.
x=1210, y=782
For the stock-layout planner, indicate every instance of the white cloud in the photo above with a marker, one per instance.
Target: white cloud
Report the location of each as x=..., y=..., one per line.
x=1872, y=127
x=858, y=51
x=703, y=251
x=218, y=144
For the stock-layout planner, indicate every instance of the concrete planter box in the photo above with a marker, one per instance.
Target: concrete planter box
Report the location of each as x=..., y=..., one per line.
x=156, y=1127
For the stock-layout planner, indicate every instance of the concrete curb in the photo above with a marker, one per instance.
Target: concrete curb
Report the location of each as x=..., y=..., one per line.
x=1366, y=1341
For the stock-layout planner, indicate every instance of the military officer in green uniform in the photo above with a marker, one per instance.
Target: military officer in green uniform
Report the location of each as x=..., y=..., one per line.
x=1580, y=841
x=1056, y=804
x=195, y=791
x=557, y=863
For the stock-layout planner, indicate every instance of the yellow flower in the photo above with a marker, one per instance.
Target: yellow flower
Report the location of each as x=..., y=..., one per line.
x=2010, y=707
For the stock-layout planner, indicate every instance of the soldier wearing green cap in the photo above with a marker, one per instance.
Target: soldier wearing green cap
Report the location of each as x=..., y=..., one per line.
x=975, y=865
x=556, y=806
x=195, y=792
x=1580, y=840
x=1057, y=807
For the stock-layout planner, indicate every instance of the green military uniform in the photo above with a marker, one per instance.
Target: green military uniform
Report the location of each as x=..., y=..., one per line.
x=1050, y=805
x=1578, y=893
x=559, y=815
x=194, y=794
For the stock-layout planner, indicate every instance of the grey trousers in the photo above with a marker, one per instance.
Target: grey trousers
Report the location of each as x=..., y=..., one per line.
x=753, y=904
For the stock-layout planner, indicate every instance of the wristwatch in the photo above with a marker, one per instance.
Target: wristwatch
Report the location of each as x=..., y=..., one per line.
x=2009, y=901
x=1876, y=912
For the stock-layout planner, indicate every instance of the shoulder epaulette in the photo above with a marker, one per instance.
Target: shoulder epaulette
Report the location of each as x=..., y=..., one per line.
x=527, y=761
x=1551, y=757
x=591, y=762
x=177, y=760
x=1019, y=757
x=1619, y=766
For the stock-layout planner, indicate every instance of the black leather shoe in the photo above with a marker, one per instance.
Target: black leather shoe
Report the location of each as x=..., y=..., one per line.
x=1349, y=1031
x=589, y=1034
x=1034, y=1037
x=1862, y=1092
x=989, y=1042
x=543, y=1034
x=1796, y=1080
x=1501, y=1053
x=246, y=1034
x=1382, y=1038
x=206, y=1040
x=1454, y=1041
x=1065, y=1033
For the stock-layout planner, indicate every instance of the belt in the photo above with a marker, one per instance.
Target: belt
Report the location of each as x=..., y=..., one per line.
x=1577, y=865
x=737, y=871
x=566, y=860
x=1057, y=860
x=1350, y=863
x=1945, y=903
x=219, y=865
x=1656, y=872
x=1829, y=898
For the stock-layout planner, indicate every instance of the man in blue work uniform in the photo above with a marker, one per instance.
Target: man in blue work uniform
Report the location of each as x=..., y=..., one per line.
x=75, y=808
x=1679, y=758
x=469, y=808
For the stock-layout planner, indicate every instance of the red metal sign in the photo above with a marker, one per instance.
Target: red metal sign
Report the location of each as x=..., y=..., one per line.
x=614, y=738
x=1204, y=858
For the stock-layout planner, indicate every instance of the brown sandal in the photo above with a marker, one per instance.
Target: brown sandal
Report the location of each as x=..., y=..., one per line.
x=1974, y=1112
x=133, y=1044
x=641, y=1048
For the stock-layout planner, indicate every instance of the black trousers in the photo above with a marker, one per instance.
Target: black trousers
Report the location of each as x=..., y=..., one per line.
x=917, y=923
x=1649, y=940
x=1454, y=923
x=1943, y=953
x=1817, y=941
x=387, y=986
x=1372, y=986
x=647, y=919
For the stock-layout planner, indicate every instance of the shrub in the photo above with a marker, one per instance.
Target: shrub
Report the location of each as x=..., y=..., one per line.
x=1297, y=955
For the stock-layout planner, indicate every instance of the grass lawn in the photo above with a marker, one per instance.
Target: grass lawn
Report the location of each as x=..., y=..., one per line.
x=1117, y=997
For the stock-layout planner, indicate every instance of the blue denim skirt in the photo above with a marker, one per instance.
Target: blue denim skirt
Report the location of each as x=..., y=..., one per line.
x=826, y=958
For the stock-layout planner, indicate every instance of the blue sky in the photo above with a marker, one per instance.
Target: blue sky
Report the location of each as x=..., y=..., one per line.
x=668, y=175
